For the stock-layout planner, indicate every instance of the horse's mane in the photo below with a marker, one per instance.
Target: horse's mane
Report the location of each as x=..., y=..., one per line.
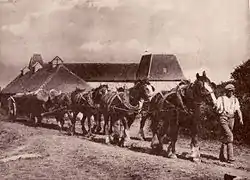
x=120, y=89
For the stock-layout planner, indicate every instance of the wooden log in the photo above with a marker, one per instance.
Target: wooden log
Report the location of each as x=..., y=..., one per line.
x=54, y=111
x=40, y=94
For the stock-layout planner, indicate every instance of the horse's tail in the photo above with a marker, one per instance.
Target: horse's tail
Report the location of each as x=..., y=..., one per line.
x=160, y=104
x=154, y=110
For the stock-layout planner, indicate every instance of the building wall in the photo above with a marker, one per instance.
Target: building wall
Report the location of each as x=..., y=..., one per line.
x=159, y=85
x=112, y=85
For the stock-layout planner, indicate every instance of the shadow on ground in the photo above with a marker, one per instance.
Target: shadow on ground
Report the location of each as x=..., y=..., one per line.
x=98, y=138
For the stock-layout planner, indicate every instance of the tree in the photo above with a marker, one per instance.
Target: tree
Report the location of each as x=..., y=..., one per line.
x=241, y=76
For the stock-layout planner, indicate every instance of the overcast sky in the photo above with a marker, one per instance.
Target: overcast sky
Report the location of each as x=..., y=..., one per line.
x=204, y=34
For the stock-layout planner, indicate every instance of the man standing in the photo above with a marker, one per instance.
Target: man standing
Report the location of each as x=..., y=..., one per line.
x=227, y=106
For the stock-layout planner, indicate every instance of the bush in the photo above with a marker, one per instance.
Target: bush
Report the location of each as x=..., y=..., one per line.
x=210, y=127
x=241, y=76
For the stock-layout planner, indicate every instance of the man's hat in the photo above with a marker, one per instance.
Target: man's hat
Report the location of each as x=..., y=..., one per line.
x=230, y=87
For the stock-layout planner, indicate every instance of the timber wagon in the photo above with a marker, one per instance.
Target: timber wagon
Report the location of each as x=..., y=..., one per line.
x=29, y=105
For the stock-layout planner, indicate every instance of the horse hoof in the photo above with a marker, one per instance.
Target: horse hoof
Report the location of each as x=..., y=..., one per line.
x=88, y=135
x=196, y=160
x=98, y=131
x=72, y=133
x=107, y=140
x=172, y=156
x=126, y=144
x=141, y=137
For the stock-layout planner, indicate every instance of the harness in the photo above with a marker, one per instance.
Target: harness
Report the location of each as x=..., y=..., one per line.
x=176, y=91
x=128, y=108
x=86, y=98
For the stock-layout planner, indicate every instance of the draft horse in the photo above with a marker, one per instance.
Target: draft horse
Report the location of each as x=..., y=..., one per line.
x=58, y=106
x=188, y=98
x=87, y=103
x=124, y=106
x=145, y=114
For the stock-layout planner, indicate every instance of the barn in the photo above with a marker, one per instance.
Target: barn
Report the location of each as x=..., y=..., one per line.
x=47, y=76
x=162, y=70
x=113, y=74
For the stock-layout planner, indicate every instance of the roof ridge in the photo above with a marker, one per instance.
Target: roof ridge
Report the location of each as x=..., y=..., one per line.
x=101, y=63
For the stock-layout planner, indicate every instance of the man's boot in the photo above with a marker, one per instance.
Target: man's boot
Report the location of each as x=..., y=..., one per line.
x=223, y=153
x=230, y=155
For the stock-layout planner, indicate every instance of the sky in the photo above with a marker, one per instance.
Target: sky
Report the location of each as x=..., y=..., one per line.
x=204, y=35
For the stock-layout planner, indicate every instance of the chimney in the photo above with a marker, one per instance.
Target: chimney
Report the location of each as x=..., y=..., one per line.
x=35, y=61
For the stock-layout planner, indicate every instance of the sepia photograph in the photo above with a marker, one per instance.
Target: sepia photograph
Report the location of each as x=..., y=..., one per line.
x=124, y=89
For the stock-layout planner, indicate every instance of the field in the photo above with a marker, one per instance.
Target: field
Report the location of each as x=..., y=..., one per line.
x=44, y=153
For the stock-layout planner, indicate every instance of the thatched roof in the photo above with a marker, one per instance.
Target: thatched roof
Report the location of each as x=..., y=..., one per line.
x=104, y=72
x=48, y=77
x=160, y=67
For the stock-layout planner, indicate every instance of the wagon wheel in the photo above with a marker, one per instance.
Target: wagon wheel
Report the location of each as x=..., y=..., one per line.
x=12, y=111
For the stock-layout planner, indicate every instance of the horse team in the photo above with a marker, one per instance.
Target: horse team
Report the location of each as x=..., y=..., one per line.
x=167, y=110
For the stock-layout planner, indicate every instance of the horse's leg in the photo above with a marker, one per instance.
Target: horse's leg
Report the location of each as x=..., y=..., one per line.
x=84, y=131
x=40, y=119
x=154, y=126
x=89, y=117
x=127, y=122
x=73, y=123
x=70, y=116
x=97, y=126
x=126, y=131
x=108, y=130
x=60, y=122
x=174, y=129
x=37, y=120
x=93, y=129
x=116, y=133
x=98, y=122
x=195, y=149
x=158, y=124
x=112, y=120
x=106, y=121
x=142, y=124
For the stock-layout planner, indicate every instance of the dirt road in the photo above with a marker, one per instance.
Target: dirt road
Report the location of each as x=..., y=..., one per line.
x=67, y=157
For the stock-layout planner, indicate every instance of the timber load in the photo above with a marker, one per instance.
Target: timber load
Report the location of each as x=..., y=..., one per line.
x=28, y=104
